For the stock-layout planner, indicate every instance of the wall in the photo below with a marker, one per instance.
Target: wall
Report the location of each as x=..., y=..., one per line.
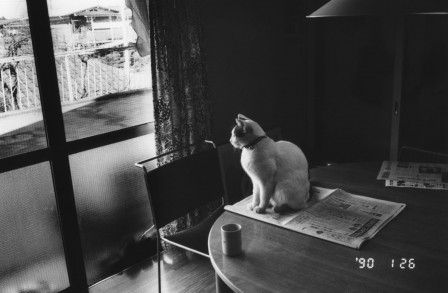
x=255, y=62
x=258, y=53
x=424, y=120
x=257, y=67
x=354, y=69
x=354, y=72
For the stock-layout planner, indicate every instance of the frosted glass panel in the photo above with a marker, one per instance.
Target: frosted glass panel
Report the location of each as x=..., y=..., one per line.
x=31, y=250
x=111, y=202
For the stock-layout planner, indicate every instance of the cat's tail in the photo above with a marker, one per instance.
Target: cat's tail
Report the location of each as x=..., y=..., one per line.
x=311, y=198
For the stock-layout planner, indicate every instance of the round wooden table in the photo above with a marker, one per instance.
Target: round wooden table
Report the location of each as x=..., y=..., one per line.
x=410, y=254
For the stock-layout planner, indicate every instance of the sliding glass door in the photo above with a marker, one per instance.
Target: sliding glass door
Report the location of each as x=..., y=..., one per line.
x=32, y=255
x=75, y=115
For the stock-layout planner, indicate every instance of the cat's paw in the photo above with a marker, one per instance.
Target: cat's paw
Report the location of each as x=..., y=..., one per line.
x=250, y=206
x=259, y=210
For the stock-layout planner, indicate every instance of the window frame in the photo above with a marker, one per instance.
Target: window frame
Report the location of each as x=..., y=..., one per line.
x=58, y=150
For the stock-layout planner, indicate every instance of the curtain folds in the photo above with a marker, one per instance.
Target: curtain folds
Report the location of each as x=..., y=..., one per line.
x=181, y=103
x=170, y=31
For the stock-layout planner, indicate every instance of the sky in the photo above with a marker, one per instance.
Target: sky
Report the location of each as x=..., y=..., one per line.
x=17, y=8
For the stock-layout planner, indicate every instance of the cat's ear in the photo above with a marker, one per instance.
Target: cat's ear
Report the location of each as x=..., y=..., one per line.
x=239, y=123
x=242, y=117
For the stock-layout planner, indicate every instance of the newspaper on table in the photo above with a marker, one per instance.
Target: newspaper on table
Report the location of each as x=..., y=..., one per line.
x=333, y=215
x=416, y=175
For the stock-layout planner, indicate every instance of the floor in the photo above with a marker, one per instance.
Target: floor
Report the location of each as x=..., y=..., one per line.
x=182, y=271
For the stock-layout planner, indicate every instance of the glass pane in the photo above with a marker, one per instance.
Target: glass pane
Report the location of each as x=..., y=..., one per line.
x=104, y=84
x=112, y=204
x=31, y=250
x=21, y=126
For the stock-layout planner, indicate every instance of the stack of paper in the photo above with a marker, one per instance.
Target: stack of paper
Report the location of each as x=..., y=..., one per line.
x=416, y=175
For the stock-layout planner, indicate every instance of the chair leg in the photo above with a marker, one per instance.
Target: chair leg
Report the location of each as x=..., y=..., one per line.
x=159, y=279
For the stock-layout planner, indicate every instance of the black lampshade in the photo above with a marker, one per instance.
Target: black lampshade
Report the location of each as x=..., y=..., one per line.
x=336, y=8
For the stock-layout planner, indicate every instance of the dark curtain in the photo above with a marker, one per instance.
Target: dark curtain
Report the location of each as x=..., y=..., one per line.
x=170, y=31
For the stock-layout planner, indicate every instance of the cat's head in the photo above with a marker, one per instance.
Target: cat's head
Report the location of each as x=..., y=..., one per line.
x=245, y=131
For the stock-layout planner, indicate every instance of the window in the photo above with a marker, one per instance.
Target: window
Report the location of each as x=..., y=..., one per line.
x=32, y=254
x=104, y=84
x=75, y=115
x=21, y=127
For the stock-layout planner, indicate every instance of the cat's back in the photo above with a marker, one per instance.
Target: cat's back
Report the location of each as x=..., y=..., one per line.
x=290, y=154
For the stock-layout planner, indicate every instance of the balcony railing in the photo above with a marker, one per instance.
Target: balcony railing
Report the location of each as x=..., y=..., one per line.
x=82, y=75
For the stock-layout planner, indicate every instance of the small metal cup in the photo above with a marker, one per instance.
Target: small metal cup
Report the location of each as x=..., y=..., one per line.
x=231, y=239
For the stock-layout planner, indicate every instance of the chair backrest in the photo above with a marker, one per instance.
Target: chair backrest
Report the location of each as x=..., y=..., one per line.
x=180, y=186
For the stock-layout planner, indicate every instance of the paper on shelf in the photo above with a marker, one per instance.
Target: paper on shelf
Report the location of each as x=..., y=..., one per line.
x=415, y=175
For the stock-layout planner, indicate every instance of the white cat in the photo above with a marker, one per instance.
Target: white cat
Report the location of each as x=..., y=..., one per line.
x=278, y=170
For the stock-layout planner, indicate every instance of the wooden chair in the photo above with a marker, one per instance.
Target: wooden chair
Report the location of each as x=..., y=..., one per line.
x=179, y=187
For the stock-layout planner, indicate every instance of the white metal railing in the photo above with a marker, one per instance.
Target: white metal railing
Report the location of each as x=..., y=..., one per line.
x=82, y=74
x=17, y=92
